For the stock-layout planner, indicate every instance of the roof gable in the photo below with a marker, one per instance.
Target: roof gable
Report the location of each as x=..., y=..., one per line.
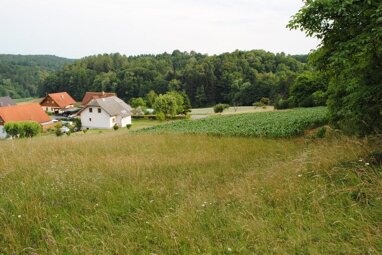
x=89, y=96
x=62, y=99
x=24, y=112
x=113, y=106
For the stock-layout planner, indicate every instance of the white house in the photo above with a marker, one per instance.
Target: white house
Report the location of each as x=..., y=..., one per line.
x=104, y=113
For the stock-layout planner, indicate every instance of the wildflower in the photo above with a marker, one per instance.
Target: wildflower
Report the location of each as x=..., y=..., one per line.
x=19, y=216
x=367, y=164
x=151, y=201
x=229, y=249
x=360, y=160
x=300, y=175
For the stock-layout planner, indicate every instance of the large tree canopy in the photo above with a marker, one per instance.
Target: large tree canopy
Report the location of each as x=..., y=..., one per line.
x=350, y=54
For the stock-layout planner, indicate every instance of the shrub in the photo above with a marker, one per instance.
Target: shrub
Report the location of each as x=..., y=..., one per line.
x=282, y=104
x=258, y=104
x=128, y=126
x=22, y=129
x=116, y=127
x=265, y=101
x=219, y=108
x=160, y=116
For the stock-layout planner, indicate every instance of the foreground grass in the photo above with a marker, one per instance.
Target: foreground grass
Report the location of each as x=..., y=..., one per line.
x=117, y=193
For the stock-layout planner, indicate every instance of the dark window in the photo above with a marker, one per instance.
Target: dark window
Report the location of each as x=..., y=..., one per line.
x=99, y=110
x=90, y=109
x=90, y=119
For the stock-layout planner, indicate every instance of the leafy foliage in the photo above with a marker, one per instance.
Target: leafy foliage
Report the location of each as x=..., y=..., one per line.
x=22, y=129
x=20, y=76
x=351, y=56
x=238, y=78
x=266, y=124
x=219, y=108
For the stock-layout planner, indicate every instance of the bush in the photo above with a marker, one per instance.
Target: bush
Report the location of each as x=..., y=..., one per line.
x=128, y=126
x=160, y=116
x=116, y=127
x=282, y=104
x=258, y=104
x=219, y=108
x=265, y=101
x=22, y=129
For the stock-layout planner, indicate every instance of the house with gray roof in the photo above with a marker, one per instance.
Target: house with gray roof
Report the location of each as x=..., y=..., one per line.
x=6, y=101
x=105, y=113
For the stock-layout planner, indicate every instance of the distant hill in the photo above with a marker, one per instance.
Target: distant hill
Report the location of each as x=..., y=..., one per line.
x=20, y=75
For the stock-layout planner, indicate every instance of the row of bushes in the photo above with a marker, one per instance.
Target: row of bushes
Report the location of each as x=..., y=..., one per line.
x=22, y=129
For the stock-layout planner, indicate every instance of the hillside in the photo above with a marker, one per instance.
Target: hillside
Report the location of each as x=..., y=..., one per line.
x=237, y=78
x=118, y=193
x=20, y=75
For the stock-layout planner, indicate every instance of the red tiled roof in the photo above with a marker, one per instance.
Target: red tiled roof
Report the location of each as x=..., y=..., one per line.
x=89, y=96
x=62, y=99
x=24, y=112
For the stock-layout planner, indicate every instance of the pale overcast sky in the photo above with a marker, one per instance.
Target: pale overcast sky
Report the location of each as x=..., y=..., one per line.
x=77, y=28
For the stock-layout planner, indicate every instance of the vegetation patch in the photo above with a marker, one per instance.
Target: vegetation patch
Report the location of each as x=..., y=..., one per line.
x=265, y=124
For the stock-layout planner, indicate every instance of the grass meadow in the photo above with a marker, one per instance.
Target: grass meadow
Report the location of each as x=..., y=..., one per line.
x=127, y=193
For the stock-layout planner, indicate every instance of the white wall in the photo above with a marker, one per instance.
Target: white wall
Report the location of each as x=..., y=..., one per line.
x=3, y=134
x=122, y=122
x=98, y=120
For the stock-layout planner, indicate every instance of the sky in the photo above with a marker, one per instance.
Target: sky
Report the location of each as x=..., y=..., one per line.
x=78, y=28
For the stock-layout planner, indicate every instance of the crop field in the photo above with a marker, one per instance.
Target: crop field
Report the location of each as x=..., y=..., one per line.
x=275, y=124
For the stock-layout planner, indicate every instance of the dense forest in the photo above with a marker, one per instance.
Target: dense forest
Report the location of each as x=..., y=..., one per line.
x=238, y=78
x=20, y=75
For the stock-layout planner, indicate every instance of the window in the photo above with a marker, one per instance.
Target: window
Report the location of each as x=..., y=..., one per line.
x=90, y=109
x=90, y=119
x=99, y=110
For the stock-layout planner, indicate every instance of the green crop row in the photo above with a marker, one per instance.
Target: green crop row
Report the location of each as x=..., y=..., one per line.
x=277, y=124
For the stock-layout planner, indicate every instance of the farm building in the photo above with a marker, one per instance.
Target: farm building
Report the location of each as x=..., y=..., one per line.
x=89, y=96
x=6, y=101
x=105, y=113
x=25, y=112
x=57, y=102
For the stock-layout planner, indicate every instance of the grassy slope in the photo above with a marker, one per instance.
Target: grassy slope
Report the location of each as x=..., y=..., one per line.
x=116, y=193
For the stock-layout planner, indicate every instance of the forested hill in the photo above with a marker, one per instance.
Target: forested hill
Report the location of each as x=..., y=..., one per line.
x=239, y=78
x=20, y=75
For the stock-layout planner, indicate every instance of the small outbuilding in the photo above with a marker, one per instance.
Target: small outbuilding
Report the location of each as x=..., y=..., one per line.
x=105, y=113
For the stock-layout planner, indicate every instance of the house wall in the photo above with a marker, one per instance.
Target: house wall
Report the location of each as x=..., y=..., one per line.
x=3, y=134
x=98, y=120
x=122, y=122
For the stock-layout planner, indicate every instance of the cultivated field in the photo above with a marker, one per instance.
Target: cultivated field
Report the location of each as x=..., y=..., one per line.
x=201, y=113
x=264, y=124
x=124, y=192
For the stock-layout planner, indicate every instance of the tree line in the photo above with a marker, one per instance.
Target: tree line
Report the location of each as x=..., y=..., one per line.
x=237, y=78
x=20, y=76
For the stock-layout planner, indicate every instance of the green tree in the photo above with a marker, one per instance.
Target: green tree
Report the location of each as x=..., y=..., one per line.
x=137, y=102
x=166, y=104
x=351, y=55
x=150, y=98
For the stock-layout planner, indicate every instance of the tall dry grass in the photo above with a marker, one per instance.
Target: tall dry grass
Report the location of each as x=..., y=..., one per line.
x=116, y=193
